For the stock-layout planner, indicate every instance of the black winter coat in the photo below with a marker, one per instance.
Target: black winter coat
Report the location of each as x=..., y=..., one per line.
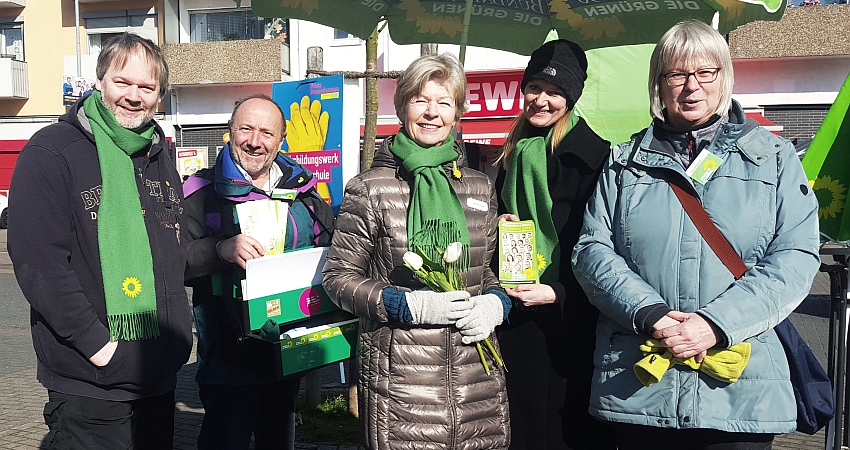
x=52, y=240
x=548, y=348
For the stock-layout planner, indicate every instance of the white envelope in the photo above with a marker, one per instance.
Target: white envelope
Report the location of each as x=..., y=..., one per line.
x=274, y=274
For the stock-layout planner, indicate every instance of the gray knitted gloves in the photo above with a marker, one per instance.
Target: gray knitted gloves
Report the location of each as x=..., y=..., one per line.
x=438, y=308
x=482, y=320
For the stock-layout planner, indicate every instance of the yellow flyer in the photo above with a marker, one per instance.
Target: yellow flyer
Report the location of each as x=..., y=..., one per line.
x=265, y=221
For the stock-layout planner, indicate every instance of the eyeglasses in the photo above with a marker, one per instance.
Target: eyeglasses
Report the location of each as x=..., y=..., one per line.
x=706, y=75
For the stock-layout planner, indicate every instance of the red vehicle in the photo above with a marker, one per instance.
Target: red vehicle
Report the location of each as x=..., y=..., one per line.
x=9, y=151
x=4, y=207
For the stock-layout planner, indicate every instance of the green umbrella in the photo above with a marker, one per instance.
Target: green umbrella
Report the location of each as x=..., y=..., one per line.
x=520, y=26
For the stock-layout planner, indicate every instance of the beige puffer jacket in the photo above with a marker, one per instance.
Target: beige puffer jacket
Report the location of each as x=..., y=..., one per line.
x=420, y=386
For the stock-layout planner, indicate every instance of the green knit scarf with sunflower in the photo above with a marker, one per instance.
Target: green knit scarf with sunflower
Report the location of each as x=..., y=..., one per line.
x=435, y=217
x=125, y=252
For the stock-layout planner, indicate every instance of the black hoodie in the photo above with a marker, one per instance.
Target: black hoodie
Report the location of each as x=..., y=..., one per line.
x=52, y=241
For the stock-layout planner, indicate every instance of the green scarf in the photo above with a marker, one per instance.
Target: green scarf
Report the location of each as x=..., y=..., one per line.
x=435, y=218
x=125, y=253
x=526, y=194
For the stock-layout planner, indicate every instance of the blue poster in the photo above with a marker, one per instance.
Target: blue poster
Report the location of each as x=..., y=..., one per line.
x=313, y=109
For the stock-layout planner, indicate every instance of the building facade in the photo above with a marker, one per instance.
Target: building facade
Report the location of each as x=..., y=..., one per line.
x=789, y=71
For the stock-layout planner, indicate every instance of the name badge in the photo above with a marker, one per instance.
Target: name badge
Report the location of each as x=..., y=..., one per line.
x=477, y=204
x=704, y=166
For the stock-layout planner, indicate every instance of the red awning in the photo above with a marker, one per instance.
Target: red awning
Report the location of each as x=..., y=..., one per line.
x=492, y=131
x=479, y=131
x=765, y=123
x=486, y=131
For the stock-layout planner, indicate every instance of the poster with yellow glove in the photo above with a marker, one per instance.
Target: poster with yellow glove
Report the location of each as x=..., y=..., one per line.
x=313, y=109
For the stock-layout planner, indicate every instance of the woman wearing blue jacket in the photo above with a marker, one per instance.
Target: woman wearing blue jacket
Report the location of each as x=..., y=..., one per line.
x=650, y=272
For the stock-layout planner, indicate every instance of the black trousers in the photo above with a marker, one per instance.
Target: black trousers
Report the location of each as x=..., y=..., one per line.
x=233, y=413
x=640, y=437
x=549, y=411
x=77, y=422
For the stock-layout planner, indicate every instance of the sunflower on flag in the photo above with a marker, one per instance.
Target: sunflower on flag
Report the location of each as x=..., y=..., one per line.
x=827, y=166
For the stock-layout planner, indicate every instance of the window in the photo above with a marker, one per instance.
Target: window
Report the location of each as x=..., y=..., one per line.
x=102, y=25
x=236, y=25
x=12, y=40
x=342, y=38
x=96, y=41
x=341, y=34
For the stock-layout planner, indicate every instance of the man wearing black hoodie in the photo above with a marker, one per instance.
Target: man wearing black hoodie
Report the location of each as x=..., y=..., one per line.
x=96, y=246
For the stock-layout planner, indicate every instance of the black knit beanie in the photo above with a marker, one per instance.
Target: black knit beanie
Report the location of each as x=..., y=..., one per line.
x=562, y=63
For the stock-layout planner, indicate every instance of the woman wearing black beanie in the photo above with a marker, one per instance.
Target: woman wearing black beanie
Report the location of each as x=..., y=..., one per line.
x=549, y=167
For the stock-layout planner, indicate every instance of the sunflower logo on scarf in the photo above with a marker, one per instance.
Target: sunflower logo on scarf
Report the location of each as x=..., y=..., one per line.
x=541, y=263
x=131, y=286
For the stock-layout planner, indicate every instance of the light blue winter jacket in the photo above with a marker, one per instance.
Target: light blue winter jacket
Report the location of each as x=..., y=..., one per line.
x=639, y=248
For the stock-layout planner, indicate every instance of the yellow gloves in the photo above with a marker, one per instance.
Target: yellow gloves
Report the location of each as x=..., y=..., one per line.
x=725, y=365
x=307, y=127
x=306, y=131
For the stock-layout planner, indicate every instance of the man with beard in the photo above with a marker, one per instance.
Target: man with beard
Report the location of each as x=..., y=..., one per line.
x=238, y=388
x=95, y=242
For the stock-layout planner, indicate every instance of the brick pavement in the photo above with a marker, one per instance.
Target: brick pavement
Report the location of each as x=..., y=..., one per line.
x=22, y=398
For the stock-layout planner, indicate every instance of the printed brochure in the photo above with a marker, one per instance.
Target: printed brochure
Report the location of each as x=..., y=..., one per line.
x=518, y=260
x=265, y=221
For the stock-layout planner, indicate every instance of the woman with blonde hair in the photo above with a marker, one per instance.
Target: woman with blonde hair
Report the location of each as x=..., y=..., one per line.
x=550, y=163
x=422, y=382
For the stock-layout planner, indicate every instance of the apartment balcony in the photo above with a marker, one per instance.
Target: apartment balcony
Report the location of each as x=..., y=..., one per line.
x=13, y=3
x=14, y=81
x=249, y=61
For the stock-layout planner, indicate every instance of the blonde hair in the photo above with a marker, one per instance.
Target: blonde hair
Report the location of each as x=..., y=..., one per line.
x=519, y=129
x=445, y=68
x=690, y=40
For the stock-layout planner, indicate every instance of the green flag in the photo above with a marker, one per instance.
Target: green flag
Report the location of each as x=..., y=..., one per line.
x=615, y=100
x=827, y=166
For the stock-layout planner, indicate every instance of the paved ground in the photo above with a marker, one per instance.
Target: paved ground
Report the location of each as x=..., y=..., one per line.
x=22, y=398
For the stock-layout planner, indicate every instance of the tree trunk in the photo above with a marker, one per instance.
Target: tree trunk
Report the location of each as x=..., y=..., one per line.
x=353, y=379
x=371, y=121
x=369, y=130
x=313, y=388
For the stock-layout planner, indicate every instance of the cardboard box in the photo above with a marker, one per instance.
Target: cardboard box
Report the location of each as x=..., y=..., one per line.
x=319, y=348
x=287, y=289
